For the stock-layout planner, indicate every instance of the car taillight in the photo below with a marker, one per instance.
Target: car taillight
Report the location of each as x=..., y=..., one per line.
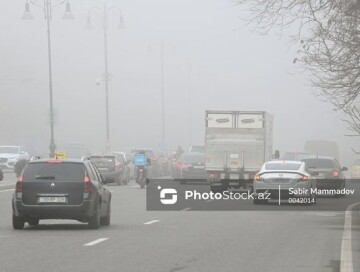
x=19, y=187
x=214, y=175
x=305, y=178
x=141, y=170
x=118, y=164
x=335, y=173
x=54, y=161
x=258, y=177
x=87, y=186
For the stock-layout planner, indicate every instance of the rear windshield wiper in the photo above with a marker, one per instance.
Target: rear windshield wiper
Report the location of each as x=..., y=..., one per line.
x=44, y=177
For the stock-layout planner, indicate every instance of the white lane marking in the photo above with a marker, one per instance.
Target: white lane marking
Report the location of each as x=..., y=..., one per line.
x=186, y=209
x=209, y=200
x=96, y=242
x=346, y=260
x=151, y=222
x=7, y=190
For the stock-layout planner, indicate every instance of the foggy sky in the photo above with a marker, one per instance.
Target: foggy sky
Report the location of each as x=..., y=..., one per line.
x=209, y=53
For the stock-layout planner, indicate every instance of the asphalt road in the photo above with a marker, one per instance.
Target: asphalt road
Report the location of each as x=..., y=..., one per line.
x=140, y=240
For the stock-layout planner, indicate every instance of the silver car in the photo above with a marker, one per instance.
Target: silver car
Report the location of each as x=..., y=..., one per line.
x=289, y=181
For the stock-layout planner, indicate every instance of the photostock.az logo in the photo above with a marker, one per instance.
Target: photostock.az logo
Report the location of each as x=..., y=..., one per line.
x=164, y=196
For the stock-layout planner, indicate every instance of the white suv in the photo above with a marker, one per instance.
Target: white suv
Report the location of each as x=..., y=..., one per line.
x=9, y=155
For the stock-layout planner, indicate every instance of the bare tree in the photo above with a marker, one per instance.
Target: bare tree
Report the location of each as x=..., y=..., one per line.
x=329, y=38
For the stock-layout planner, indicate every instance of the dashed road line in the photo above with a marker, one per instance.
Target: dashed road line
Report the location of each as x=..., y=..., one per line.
x=186, y=209
x=151, y=222
x=97, y=241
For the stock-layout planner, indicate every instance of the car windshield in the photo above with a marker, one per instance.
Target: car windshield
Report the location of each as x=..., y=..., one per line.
x=54, y=171
x=319, y=163
x=9, y=149
x=283, y=166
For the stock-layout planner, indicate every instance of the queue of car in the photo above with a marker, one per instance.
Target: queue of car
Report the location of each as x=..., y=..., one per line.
x=74, y=188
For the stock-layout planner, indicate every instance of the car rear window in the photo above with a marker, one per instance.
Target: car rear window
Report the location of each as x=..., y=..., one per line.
x=194, y=158
x=319, y=163
x=282, y=166
x=103, y=161
x=54, y=171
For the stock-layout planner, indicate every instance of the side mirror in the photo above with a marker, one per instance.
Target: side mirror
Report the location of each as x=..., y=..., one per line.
x=276, y=154
x=344, y=168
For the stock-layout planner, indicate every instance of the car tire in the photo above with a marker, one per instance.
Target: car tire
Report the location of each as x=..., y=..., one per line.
x=18, y=222
x=106, y=220
x=94, y=221
x=34, y=222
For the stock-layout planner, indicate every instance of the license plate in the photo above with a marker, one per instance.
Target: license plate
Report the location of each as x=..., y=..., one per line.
x=102, y=168
x=52, y=199
x=321, y=175
x=234, y=176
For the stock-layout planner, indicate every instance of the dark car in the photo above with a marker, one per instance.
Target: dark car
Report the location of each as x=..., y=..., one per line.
x=1, y=175
x=61, y=189
x=190, y=167
x=111, y=168
x=329, y=173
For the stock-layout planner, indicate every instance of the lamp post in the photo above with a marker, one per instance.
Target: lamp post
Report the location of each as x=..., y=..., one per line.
x=105, y=12
x=47, y=7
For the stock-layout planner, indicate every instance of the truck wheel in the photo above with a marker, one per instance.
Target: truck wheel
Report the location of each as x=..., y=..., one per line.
x=18, y=222
x=260, y=201
x=217, y=189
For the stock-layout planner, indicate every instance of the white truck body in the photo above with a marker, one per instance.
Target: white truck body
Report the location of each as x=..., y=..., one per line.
x=237, y=143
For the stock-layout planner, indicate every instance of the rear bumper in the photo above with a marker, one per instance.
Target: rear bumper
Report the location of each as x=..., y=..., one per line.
x=111, y=175
x=193, y=174
x=78, y=212
x=329, y=183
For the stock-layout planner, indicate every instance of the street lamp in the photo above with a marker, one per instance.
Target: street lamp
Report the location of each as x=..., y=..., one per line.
x=105, y=12
x=47, y=7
